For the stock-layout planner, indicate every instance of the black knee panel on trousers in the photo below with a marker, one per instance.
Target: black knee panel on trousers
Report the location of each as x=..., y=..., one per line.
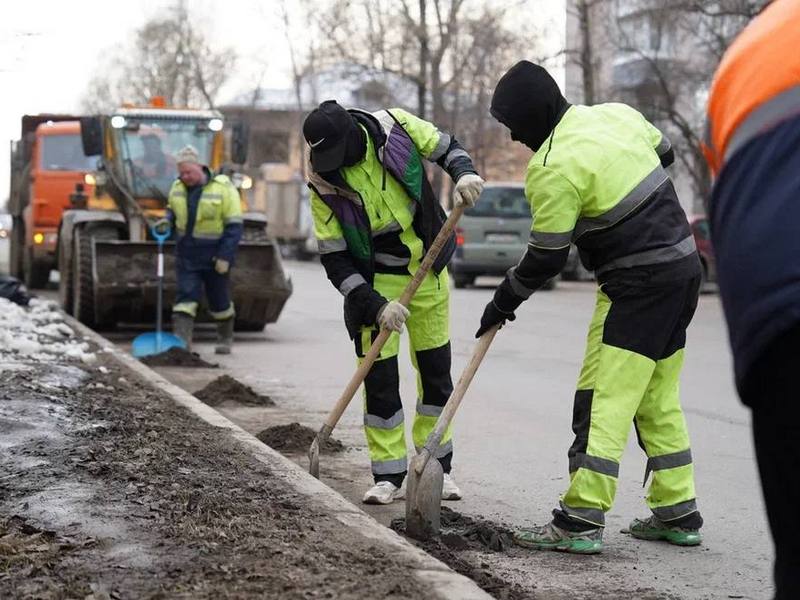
x=434, y=370
x=382, y=385
x=581, y=420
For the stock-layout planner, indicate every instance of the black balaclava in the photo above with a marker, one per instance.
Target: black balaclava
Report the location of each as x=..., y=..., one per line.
x=356, y=145
x=527, y=101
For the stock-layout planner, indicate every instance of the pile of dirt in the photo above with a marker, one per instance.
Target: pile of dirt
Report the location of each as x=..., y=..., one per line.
x=177, y=357
x=295, y=438
x=460, y=533
x=227, y=389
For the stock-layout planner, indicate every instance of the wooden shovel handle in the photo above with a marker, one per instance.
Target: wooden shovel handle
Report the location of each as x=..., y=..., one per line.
x=449, y=411
x=377, y=345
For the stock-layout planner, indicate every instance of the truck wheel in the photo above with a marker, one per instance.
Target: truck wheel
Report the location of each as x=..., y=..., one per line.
x=36, y=275
x=17, y=248
x=82, y=279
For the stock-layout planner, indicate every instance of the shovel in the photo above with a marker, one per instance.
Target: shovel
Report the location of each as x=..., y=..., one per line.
x=156, y=342
x=424, y=487
x=376, y=347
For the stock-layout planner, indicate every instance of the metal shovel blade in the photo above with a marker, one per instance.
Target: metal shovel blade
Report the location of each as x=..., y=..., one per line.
x=424, y=498
x=313, y=457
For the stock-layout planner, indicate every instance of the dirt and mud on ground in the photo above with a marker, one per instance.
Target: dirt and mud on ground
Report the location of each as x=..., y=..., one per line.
x=228, y=389
x=178, y=357
x=110, y=490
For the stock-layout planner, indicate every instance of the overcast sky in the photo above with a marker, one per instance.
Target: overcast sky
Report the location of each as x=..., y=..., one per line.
x=50, y=48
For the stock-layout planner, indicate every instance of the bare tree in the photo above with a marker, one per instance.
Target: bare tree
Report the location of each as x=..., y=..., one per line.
x=674, y=47
x=168, y=57
x=450, y=51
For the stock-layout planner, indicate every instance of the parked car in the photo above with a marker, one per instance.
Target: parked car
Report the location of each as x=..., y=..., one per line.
x=492, y=235
x=5, y=242
x=702, y=237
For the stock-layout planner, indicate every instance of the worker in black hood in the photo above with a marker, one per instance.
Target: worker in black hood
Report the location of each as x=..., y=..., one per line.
x=527, y=101
x=598, y=180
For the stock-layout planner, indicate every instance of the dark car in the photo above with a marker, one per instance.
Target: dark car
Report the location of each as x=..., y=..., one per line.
x=702, y=237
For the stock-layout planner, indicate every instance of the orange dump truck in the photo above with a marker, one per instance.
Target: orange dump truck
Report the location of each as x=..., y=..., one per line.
x=46, y=164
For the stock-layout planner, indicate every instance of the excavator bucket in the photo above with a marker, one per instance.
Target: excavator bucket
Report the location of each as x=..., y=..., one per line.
x=125, y=284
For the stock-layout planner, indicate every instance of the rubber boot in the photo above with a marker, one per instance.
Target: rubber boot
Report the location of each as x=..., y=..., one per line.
x=224, y=336
x=183, y=326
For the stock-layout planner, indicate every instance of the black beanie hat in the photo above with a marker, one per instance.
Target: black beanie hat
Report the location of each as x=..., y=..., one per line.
x=527, y=101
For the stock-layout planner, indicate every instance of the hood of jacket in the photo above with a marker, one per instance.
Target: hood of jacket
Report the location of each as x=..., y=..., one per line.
x=527, y=101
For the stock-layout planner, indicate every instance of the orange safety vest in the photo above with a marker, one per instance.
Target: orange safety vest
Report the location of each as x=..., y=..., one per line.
x=757, y=84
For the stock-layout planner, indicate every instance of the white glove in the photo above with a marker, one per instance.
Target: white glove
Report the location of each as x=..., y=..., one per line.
x=392, y=316
x=222, y=266
x=468, y=188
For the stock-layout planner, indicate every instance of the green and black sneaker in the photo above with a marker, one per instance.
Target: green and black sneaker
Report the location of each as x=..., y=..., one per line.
x=551, y=537
x=654, y=528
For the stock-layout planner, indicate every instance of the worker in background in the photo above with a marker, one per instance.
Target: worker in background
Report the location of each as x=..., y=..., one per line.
x=753, y=149
x=206, y=211
x=154, y=162
x=375, y=216
x=597, y=179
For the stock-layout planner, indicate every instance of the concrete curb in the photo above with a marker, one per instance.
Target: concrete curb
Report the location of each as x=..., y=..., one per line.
x=445, y=582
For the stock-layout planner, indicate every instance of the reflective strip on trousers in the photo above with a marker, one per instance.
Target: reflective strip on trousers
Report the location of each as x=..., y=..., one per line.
x=350, y=283
x=442, y=451
x=593, y=516
x=429, y=410
x=604, y=466
x=231, y=220
x=329, y=246
x=682, y=249
x=550, y=241
x=624, y=207
x=676, y=511
x=187, y=308
x=380, y=423
x=390, y=467
x=667, y=461
x=779, y=108
x=223, y=315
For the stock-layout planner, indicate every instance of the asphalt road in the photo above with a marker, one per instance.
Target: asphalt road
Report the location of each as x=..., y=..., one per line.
x=513, y=431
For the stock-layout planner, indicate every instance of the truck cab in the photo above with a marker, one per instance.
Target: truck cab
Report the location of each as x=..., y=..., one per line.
x=46, y=165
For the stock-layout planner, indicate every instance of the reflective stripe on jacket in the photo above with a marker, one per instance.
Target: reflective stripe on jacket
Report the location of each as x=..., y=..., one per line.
x=598, y=181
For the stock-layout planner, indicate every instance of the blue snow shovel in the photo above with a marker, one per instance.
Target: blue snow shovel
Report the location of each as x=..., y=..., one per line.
x=156, y=342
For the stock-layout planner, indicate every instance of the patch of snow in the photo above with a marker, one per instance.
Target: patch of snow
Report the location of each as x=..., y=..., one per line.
x=38, y=333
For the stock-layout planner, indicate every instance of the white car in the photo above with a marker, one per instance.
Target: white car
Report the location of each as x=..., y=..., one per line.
x=5, y=242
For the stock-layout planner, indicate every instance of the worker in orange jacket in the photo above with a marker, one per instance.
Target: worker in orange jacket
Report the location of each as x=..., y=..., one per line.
x=753, y=148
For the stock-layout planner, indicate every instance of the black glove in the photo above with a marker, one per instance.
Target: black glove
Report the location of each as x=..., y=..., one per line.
x=492, y=316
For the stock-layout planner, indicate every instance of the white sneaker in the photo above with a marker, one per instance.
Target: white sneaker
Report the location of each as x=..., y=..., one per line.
x=450, y=490
x=383, y=492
